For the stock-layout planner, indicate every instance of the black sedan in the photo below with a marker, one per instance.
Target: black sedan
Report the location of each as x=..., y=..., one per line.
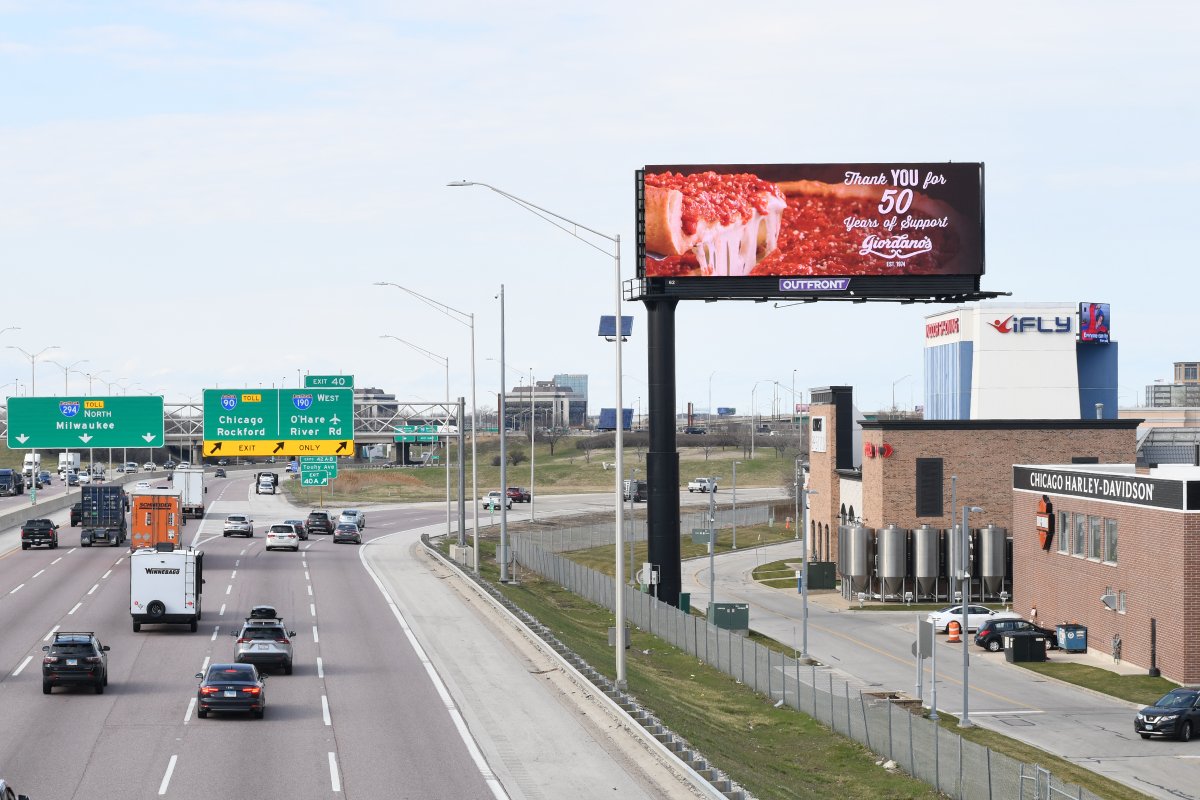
x=991, y=634
x=1175, y=714
x=231, y=687
x=220, y=473
x=347, y=532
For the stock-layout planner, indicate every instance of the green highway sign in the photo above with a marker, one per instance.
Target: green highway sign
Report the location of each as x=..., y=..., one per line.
x=314, y=480
x=312, y=461
x=328, y=381
x=318, y=466
x=273, y=422
x=416, y=433
x=39, y=423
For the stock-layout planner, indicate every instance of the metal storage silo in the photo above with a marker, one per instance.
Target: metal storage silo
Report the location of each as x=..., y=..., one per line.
x=860, y=556
x=891, y=558
x=927, y=542
x=991, y=549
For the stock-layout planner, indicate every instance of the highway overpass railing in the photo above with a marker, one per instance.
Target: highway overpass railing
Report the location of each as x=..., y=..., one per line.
x=894, y=730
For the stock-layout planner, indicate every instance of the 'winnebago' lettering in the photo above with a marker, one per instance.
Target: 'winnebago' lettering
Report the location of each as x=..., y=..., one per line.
x=162, y=570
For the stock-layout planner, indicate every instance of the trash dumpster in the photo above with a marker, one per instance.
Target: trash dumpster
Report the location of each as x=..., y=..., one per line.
x=1022, y=647
x=730, y=616
x=1072, y=638
x=685, y=602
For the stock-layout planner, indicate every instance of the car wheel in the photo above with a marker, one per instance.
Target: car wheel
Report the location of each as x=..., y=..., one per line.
x=137, y=627
x=225, y=535
x=46, y=686
x=24, y=545
x=99, y=687
x=259, y=713
x=202, y=713
x=1185, y=731
x=287, y=668
x=54, y=544
x=994, y=646
x=193, y=625
x=1145, y=736
x=106, y=677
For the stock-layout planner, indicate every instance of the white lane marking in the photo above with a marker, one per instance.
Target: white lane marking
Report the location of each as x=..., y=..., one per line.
x=19, y=586
x=312, y=609
x=229, y=588
x=237, y=563
x=306, y=575
x=119, y=560
x=324, y=708
x=40, y=571
x=304, y=563
x=191, y=707
x=162, y=787
x=204, y=666
x=334, y=780
x=17, y=671
x=310, y=543
x=221, y=613
x=53, y=631
x=456, y=716
x=76, y=608
x=242, y=553
x=233, y=575
x=315, y=639
x=55, y=561
x=72, y=550
x=93, y=589
x=309, y=586
x=216, y=630
x=320, y=668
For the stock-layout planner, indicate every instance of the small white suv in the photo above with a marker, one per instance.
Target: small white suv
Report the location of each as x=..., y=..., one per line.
x=264, y=642
x=282, y=535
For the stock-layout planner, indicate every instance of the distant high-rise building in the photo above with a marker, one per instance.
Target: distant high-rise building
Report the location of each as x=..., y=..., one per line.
x=578, y=403
x=1183, y=393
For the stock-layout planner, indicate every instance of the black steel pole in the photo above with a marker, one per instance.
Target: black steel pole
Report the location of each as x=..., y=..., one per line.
x=662, y=459
x=1154, y=670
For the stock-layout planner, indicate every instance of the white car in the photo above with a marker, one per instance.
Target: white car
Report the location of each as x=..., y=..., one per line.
x=359, y=518
x=140, y=485
x=282, y=535
x=494, y=499
x=149, y=467
x=976, y=616
x=83, y=478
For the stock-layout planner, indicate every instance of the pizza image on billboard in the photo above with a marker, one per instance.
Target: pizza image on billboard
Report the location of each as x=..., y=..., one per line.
x=812, y=220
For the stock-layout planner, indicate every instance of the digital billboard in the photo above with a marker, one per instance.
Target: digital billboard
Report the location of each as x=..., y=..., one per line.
x=1094, y=322
x=811, y=231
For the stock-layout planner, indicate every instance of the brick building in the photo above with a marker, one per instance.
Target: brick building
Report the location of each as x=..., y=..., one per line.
x=1123, y=554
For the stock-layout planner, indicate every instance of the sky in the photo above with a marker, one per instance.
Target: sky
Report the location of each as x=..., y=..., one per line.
x=203, y=194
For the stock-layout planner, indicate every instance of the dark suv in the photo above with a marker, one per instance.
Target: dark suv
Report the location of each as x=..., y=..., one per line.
x=318, y=522
x=991, y=634
x=75, y=658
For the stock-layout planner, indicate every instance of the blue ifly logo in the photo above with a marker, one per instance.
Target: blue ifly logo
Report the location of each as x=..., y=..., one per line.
x=228, y=401
x=68, y=408
x=302, y=402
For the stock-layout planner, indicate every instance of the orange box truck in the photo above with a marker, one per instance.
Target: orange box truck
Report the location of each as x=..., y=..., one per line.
x=156, y=516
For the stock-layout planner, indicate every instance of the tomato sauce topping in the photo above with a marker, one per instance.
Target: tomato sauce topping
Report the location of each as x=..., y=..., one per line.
x=713, y=197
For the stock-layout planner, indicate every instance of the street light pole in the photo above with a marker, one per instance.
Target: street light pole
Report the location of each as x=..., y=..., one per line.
x=503, y=454
x=754, y=413
x=965, y=721
x=573, y=228
x=463, y=318
x=710, y=408
x=532, y=446
x=444, y=361
x=804, y=580
x=32, y=364
x=735, y=463
x=898, y=380
x=67, y=369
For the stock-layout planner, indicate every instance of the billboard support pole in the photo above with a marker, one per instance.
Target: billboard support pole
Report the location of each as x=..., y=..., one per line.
x=662, y=459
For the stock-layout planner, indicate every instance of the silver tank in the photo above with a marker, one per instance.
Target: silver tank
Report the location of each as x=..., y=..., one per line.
x=926, y=545
x=991, y=549
x=859, y=556
x=891, y=560
x=841, y=550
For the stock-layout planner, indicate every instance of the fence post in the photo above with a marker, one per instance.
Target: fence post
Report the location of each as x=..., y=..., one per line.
x=891, y=749
x=960, y=768
x=814, y=691
x=987, y=752
x=849, y=727
x=862, y=704
x=832, y=718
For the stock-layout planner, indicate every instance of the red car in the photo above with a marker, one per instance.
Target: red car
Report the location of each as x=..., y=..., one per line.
x=519, y=494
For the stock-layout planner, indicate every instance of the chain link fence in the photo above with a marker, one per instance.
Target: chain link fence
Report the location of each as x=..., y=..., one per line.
x=953, y=765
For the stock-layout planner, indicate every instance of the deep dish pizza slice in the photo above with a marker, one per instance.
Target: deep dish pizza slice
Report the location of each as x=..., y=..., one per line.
x=728, y=223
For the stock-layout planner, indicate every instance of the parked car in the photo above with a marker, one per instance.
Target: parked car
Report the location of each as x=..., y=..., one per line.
x=318, y=522
x=992, y=632
x=282, y=535
x=75, y=658
x=1175, y=714
x=519, y=494
x=347, y=532
x=265, y=642
x=359, y=518
x=238, y=525
x=301, y=531
x=231, y=687
x=494, y=499
x=976, y=616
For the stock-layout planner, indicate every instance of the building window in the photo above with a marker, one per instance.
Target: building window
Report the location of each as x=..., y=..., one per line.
x=1094, y=537
x=1110, y=540
x=1189, y=372
x=1064, y=531
x=1080, y=534
x=1121, y=602
x=929, y=487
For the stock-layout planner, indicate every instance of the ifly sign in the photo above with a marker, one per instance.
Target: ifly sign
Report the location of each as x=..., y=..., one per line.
x=1015, y=324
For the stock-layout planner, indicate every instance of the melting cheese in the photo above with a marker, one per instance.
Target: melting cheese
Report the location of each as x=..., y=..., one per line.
x=733, y=250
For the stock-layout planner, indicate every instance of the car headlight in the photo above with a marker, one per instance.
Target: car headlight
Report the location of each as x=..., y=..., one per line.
x=1171, y=716
x=1141, y=717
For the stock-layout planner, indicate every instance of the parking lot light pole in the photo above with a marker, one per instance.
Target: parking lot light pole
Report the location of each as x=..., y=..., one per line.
x=965, y=720
x=574, y=229
x=463, y=318
x=804, y=579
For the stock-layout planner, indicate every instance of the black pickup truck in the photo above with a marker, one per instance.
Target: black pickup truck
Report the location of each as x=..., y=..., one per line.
x=76, y=515
x=39, y=531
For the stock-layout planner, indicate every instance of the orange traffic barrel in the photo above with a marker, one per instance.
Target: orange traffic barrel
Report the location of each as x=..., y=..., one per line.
x=953, y=629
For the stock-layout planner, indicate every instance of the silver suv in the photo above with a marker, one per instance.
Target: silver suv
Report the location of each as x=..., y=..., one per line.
x=264, y=642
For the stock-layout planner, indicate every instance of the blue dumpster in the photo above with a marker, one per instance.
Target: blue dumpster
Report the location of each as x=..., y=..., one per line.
x=1072, y=638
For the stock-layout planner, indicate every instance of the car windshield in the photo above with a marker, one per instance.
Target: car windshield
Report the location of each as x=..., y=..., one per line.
x=1176, y=700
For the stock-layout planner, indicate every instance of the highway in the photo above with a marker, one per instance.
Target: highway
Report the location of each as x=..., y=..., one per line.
x=402, y=686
